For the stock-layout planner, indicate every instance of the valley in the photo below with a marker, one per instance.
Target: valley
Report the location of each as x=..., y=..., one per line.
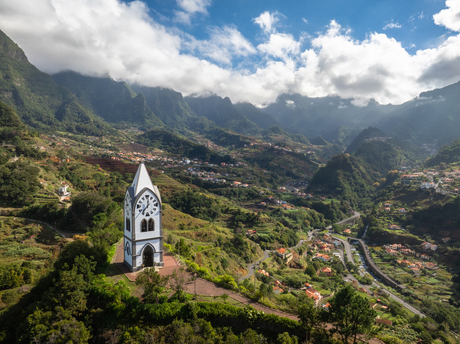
x=304, y=208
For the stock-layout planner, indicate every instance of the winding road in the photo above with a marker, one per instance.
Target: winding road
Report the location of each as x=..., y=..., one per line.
x=390, y=294
x=349, y=254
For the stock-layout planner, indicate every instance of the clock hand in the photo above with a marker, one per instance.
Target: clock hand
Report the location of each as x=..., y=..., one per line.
x=145, y=208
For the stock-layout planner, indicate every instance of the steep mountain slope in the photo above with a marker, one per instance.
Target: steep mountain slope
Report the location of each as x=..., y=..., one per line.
x=261, y=119
x=10, y=124
x=168, y=105
x=433, y=117
x=114, y=101
x=37, y=99
x=222, y=112
x=447, y=155
x=166, y=140
x=383, y=156
x=343, y=175
x=322, y=116
x=363, y=136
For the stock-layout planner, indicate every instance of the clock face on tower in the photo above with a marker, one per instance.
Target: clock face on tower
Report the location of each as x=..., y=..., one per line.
x=146, y=205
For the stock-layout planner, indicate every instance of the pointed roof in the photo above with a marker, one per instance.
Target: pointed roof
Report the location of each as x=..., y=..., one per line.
x=141, y=180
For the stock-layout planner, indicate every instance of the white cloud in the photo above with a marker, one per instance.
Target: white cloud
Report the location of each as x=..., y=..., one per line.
x=194, y=6
x=290, y=103
x=190, y=8
x=450, y=17
x=305, y=20
x=280, y=45
x=392, y=25
x=122, y=40
x=267, y=21
x=224, y=44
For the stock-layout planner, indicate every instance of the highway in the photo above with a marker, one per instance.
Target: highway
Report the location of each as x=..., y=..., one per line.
x=349, y=254
x=350, y=277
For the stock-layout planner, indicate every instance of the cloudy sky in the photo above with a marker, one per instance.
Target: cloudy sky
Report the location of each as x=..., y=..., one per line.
x=248, y=50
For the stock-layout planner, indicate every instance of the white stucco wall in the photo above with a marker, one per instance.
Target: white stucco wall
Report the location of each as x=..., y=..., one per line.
x=128, y=258
x=139, y=247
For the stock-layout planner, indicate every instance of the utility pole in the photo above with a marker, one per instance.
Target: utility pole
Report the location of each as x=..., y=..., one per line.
x=238, y=280
x=195, y=285
x=195, y=274
x=254, y=272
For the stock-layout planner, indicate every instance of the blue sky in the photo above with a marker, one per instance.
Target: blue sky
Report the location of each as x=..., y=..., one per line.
x=249, y=50
x=409, y=21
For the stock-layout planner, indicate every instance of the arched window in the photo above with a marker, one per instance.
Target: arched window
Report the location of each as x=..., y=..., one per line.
x=128, y=224
x=144, y=226
x=151, y=225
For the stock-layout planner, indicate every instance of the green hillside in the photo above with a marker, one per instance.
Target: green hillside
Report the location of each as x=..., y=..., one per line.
x=262, y=119
x=447, y=155
x=114, y=101
x=10, y=124
x=383, y=156
x=37, y=99
x=343, y=176
x=363, y=136
x=168, y=105
x=432, y=117
x=222, y=112
x=170, y=142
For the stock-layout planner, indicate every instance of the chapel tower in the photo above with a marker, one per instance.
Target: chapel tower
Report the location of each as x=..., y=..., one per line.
x=143, y=231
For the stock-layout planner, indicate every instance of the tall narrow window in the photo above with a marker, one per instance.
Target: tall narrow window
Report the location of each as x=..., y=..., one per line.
x=128, y=224
x=151, y=225
x=144, y=226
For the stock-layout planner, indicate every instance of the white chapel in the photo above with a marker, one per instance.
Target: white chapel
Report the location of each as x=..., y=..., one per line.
x=143, y=232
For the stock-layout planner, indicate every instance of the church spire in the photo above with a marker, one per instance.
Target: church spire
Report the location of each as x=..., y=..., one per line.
x=142, y=179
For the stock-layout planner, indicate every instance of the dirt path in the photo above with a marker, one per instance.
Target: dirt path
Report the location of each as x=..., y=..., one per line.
x=203, y=287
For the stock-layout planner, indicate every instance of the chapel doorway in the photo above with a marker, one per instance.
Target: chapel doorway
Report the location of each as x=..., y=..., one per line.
x=147, y=257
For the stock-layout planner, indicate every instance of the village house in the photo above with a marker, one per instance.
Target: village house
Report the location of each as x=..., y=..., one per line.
x=322, y=257
x=63, y=190
x=395, y=247
x=391, y=252
x=404, y=262
x=384, y=322
x=263, y=272
x=393, y=227
x=277, y=290
x=415, y=271
x=407, y=251
x=283, y=253
x=419, y=265
x=387, y=209
x=402, y=210
x=347, y=231
x=429, y=246
x=427, y=185
x=324, y=248
x=262, y=204
x=431, y=266
x=251, y=232
x=326, y=270
x=445, y=240
x=425, y=256
x=313, y=294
